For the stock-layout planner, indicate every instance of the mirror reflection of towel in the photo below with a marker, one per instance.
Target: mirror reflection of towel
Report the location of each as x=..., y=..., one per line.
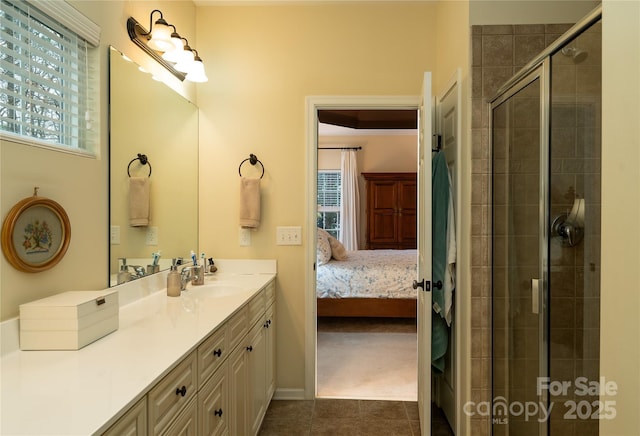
x=249, y=202
x=139, y=198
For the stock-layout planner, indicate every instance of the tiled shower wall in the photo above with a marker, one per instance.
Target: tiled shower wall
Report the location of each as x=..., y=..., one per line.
x=498, y=52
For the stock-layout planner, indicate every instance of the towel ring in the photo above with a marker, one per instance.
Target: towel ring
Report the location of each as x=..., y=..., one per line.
x=143, y=161
x=252, y=160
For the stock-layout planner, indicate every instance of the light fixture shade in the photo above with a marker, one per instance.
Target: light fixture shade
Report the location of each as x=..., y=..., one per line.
x=173, y=55
x=197, y=74
x=186, y=60
x=161, y=36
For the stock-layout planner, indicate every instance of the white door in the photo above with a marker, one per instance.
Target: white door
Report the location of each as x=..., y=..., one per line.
x=424, y=256
x=449, y=127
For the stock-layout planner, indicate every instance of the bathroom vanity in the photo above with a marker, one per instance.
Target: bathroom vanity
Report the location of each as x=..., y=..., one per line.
x=202, y=363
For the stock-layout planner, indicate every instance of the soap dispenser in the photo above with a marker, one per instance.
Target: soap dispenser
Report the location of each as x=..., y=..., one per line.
x=124, y=275
x=173, y=280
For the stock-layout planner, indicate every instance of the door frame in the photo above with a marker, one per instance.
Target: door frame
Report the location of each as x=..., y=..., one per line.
x=313, y=105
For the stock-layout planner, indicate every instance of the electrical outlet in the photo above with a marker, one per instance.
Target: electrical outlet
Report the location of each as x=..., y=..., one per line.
x=291, y=235
x=245, y=237
x=115, y=235
x=152, y=236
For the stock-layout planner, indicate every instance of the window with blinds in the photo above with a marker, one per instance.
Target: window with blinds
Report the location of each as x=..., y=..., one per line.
x=44, y=80
x=329, y=183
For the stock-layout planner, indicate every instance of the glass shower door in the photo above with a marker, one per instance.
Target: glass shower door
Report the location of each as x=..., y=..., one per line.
x=518, y=343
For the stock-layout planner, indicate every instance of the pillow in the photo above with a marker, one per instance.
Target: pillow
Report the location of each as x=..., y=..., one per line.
x=324, y=233
x=338, y=252
x=323, y=249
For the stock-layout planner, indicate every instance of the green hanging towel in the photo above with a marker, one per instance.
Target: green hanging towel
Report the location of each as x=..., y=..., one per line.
x=439, y=215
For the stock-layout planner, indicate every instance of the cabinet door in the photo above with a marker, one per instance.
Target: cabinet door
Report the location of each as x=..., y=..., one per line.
x=213, y=404
x=258, y=377
x=382, y=201
x=270, y=347
x=407, y=224
x=186, y=424
x=238, y=386
x=133, y=423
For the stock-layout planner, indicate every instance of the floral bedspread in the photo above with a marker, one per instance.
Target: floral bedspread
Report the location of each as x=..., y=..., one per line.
x=369, y=274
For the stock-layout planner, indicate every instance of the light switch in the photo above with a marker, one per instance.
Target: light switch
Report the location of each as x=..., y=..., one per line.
x=152, y=236
x=289, y=235
x=115, y=235
x=245, y=237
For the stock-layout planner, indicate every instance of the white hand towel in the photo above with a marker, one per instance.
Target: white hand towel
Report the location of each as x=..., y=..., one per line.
x=139, y=199
x=249, y=202
x=450, y=270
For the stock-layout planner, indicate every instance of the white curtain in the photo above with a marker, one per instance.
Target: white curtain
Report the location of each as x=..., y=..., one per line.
x=350, y=204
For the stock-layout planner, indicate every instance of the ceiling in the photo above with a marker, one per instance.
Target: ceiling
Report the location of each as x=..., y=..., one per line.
x=367, y=122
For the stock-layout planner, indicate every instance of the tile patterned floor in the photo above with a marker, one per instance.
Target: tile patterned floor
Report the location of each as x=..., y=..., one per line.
x=348, y=418
x=339, y=417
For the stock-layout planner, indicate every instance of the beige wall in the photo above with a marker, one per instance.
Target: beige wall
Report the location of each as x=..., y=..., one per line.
x=620, y=283
x=78, y=184
x=262, y=62
x=380, y=153
x=529, y=11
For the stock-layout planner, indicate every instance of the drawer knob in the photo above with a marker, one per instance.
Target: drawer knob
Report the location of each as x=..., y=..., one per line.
x=249, y=348
x=181, y=391
x=266, y=325
x=217, y=352
x=218, y=412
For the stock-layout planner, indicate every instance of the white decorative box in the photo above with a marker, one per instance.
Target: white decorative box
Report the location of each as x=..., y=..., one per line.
x=68, y=321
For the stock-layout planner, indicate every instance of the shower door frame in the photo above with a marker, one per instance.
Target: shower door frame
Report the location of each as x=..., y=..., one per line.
x=540, y=72
x=539, y=68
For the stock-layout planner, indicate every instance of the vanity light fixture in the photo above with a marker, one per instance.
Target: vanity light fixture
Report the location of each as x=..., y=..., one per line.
x=197, y=74
x=163, y=43
x=160, y=33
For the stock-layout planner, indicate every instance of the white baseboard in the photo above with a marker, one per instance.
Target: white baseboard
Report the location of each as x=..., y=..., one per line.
x=289, y=394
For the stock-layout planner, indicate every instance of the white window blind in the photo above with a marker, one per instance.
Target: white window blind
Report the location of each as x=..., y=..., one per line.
x=329, y=189
x=329, y=198
x=45, y=86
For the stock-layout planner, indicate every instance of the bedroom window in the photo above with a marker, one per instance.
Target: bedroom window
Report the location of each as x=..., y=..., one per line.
x=45, y=85
x=329, y=183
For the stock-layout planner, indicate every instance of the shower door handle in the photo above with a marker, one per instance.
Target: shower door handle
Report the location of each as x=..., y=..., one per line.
x=535, y=293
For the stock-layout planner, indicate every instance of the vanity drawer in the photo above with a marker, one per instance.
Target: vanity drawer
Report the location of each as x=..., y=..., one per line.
x=238, y=326
x=256, y=307
x=170, y=395
x=212, y=353
x=270, y=293
x=133, y=423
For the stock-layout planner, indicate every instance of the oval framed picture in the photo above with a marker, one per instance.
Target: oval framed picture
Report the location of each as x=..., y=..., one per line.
x=35, y=234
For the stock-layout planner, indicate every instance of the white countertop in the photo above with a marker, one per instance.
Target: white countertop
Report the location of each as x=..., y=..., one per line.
x=83, y=392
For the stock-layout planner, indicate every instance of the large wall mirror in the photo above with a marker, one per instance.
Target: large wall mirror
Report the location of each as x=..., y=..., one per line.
x=149, y=118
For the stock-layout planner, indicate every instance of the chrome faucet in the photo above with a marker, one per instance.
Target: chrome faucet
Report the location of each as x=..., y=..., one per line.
x=140, y=270
x=187, y=274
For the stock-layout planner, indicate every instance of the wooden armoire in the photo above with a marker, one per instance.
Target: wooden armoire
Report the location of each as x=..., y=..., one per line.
x=391, y=210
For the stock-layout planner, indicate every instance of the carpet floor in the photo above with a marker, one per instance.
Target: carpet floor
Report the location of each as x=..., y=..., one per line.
x=367, y=362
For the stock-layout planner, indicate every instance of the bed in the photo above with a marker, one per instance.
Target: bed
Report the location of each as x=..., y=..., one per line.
x=368, y=283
